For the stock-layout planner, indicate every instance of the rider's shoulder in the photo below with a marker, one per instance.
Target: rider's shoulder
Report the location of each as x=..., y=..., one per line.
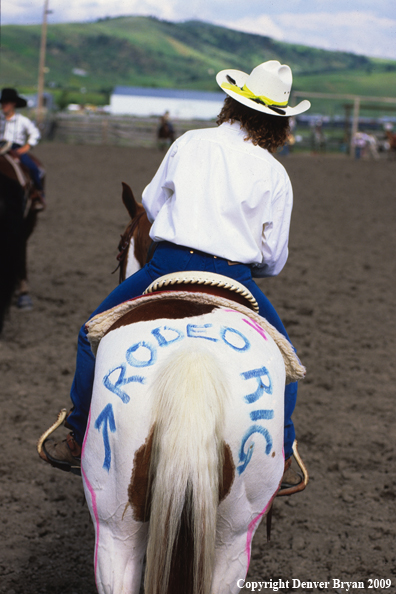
x=187, y=141
x=207, y=136
x=23, y=118
x=191, y=135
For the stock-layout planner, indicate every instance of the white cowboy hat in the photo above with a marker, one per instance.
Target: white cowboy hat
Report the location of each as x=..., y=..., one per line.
x=267, y=88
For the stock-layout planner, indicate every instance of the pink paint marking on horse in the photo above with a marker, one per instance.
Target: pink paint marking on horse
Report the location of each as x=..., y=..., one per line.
x=251, y=323
x=256, y=326
x=93, y=497
x=254, y=523
x=252, y=528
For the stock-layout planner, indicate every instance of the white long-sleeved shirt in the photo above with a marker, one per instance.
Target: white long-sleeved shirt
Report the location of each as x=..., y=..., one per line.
x=19, y=129
x=220, y=194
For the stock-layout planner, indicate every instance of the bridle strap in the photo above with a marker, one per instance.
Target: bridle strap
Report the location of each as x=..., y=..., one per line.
x=126, y=240
x=127, y=236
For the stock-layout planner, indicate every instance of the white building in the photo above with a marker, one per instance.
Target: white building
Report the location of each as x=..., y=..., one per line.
x=181, y=104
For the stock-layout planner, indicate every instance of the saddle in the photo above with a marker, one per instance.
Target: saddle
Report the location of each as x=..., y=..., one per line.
x=205, y=282
x=20, y=171
x=14, y=170
x=199, y=287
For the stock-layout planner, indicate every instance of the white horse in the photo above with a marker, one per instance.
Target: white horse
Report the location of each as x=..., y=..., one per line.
x=183, y=452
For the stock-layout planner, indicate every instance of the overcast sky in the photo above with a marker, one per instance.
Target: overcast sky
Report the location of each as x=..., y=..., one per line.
x=365, y=27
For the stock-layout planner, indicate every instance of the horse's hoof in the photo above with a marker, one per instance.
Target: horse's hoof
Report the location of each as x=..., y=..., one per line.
x=25, y=302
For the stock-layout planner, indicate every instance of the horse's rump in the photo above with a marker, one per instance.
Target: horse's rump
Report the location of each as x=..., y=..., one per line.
x=180, y=392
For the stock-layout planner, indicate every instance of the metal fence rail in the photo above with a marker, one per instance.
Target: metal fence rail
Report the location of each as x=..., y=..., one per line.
x=142, y=132
x=111, y=130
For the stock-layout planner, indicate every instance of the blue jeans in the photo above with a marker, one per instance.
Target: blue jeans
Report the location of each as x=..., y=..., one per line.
x=168, y=258
x=26, y=160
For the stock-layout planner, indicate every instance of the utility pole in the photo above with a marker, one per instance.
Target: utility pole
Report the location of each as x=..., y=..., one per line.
x=355, y=124
x=40, y=85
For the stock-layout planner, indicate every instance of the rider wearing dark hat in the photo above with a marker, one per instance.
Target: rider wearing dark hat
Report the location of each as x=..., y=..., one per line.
x=22, y=133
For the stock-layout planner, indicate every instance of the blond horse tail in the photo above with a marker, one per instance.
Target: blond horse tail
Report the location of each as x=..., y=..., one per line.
x=186, y=472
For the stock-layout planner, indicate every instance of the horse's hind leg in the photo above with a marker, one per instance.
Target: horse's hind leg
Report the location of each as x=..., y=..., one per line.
x=120, y=541
x=24, y=299
x=233, y=551
x=119, y=556
x=239, y=516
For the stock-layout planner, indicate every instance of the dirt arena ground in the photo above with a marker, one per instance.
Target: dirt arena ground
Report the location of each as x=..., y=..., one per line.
x=336, y=296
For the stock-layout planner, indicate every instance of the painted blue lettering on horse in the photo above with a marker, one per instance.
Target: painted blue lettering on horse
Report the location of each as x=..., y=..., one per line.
x=106, y=419
x=141, y=362
x=246, y=343
x=245, y=457
x=262, y=388
x=256, y=415
x=121, y=381
x=195, y=331
x=162, y=340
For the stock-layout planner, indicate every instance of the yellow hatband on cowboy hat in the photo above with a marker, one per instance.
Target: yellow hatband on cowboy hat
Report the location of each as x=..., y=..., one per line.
x=267, y=88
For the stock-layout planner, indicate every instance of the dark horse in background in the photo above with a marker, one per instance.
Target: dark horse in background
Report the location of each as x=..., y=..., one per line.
x=17, y=221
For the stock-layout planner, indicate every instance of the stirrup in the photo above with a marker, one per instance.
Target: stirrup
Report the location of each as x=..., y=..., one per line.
x=61, y=417
x=305, y=479
x=41, y=448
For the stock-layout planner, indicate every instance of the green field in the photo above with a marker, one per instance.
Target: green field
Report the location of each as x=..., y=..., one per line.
x=143, y=51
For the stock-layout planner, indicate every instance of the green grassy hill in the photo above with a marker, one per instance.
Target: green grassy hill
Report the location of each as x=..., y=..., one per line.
x=143, y=51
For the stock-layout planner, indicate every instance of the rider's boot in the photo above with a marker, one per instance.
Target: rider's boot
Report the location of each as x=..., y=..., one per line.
x=38, y=200
x=64, y=454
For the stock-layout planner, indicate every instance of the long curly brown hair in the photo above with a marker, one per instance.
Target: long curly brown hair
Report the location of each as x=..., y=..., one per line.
x=269, y=132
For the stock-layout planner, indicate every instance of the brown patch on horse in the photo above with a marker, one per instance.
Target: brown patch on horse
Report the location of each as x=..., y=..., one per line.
x=138, y=489
x=172, y=309
x=228, y=473
x=139, y=485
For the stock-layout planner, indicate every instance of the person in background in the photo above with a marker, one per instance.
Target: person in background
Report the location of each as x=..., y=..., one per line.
x=165, y=132
x=23, y=134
